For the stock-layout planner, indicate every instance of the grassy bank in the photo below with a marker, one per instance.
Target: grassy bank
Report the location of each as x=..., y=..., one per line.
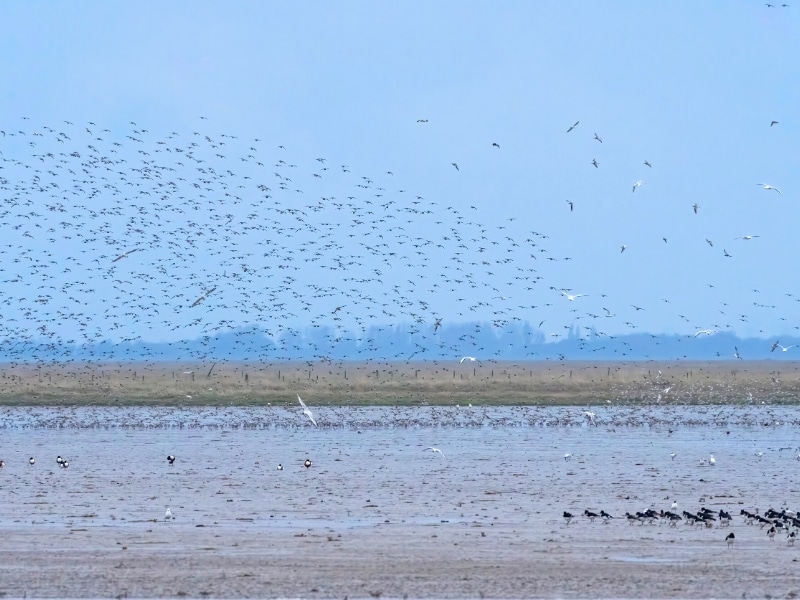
x=401, y=383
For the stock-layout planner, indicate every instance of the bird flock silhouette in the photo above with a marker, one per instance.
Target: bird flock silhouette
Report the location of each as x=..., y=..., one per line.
x=113, y=238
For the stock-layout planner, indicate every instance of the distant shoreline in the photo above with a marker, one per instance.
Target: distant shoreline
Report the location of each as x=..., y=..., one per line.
x=399, y=383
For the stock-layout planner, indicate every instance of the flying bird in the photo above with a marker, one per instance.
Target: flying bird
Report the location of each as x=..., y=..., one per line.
x=695, y=206
x=597, y=137
x=571, y=206
x=595, y=163
x=124, y=254
x=306, y=411
x=573, y=127
x=647, y=163
x=456, y=166
x=571, y=297
x=767, y=186
x=637, y=184
x=436, y=450
x=469, y=358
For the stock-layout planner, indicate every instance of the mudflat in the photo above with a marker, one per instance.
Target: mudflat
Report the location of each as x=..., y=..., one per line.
x=379, y=514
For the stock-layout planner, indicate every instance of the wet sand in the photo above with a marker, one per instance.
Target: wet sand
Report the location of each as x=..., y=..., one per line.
x=379, y=515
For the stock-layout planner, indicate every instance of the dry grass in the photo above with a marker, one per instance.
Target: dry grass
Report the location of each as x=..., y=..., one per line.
x=401, y=383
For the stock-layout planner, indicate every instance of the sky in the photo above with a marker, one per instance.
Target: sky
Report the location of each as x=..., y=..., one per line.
x=293, y=165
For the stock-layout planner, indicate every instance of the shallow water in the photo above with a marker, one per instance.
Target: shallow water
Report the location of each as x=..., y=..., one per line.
x=371, y=465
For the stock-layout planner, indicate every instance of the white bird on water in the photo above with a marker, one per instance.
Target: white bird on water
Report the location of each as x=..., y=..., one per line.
x=712, y=461
x=168, y=514
x=590, y=416
x=436, y=450
x=306, y=411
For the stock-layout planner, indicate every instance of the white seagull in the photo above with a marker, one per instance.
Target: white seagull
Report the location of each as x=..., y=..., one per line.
x=306, y=411
x=767, y=186
x=637, y=184
x=571, y=297
x=436, y=450
x=469, y=358
x=168, y=514
x=590, y=416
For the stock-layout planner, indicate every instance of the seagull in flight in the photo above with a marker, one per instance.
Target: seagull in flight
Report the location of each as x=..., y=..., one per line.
x=595, y=163
x=469, y=358
x=456, y=166
x=767, y=186
x=573, y=127
x=591, y=416
x=647, y=163
x=570, y=205
x=637, y=184
x=571, y=297
x=705, y=332
x=124, y=254
x=597, y=137
x=436, y=450
x=306, y=411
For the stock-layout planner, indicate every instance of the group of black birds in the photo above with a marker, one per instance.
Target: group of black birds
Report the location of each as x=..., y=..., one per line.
x=783, y=521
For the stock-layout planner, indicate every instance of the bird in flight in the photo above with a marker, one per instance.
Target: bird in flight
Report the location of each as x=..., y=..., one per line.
x=456, y=166
x=469, y=358
x=695, y=207
x=771, y=123
x=622, y=249
x=495, y=145
x=436, y=450
x=573, y=127
x=637, y=184
x=594, y=162
x=736, y=353
x=124, y=254
x=597, y=137
x=570, y=205
x=591, y=416
x=647, y=164
x=203, y=296
x=767, y=186
x=422, y=120
x=306, y=411
x=571, y=297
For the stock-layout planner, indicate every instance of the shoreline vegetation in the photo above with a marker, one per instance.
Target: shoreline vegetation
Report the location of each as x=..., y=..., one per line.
x=381, y=383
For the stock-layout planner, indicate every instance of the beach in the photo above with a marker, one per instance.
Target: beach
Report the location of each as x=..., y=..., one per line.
x=379, y=514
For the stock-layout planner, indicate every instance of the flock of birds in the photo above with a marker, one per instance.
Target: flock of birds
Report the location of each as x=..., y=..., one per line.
x=784, y=521
x=113, y=239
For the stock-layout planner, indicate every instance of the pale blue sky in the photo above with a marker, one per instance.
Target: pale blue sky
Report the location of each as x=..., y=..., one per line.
x=690, y=87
